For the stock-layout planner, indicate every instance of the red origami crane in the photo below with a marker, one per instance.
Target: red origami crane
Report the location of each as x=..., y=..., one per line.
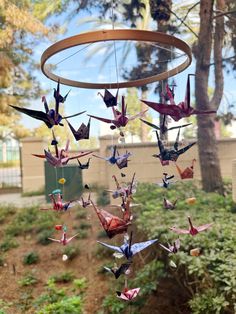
x=120, y=117
x=61, y=157
x=57, y=202
x=112, y=224
x=192, y=229
x=64, y=240
x=187, y=173
x=127, y=294
x=177, y=112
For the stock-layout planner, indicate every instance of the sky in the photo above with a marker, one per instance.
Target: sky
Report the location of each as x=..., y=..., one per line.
x=88, y=99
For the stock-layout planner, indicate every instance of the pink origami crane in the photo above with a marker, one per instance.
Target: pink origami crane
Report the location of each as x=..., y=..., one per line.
x=120, y=117
x=172, y=248
x=192, y=229
x=61, y=157
x=127, y=294
x=64, y=240
x=177, y=112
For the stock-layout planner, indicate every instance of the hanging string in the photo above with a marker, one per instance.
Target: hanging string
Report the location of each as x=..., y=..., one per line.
x=73, y=54
x=114, y=43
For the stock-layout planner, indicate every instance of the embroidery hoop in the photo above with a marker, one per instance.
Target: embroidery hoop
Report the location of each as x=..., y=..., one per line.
x=115, y=35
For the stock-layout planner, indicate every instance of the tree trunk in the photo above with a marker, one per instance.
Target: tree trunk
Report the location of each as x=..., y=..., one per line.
x=207, y=144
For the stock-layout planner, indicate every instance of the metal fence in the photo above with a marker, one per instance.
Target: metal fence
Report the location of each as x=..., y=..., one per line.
x=10, y=167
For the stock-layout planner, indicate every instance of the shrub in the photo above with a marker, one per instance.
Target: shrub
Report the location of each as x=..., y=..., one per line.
x=81, y=214
x=68, y=305
x=63, y=277
x=31, y=258
x=28, y=280
x=214, y=267
x=80, y=284
x=43, y=236
x=8, y=243
x=71, y=251
x=85, y=225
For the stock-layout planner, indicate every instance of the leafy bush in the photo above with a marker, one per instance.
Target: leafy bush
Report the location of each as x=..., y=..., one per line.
x=68, y=305
x=63, y=277
x=80, y=284
x=31, y=258
x=81, y=214
x=214, y=267
x=28, y=280
x=71, y=251
x=85, y=225
x=43, y=236
x=5, y=212
x=8, y=243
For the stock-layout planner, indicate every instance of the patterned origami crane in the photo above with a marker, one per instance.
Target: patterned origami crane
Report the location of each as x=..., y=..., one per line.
x=128, y=249
x=61, y=157
x=171, y=154
x=172, y=248
x=177, y=112
x=83, y=131
x=187, y=173
x=127, y=294
x=112, y=224
x=117, y=271
x=57, y=202
x=120, y=117
x=50, y=117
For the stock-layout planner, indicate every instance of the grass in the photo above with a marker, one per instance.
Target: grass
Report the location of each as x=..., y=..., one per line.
x=71, y=251
x=31, y=258
x=63, y=277
x=28, y=280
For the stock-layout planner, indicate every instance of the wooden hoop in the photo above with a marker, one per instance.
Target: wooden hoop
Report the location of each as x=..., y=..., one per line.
x=118, y=34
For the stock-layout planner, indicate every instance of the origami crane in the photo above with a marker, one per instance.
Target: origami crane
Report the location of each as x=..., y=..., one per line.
x=50, y=117
x=166, y=180
x=168, y=204
x=109, y=99
x=58, y=204
x=112, y=224
x=120, y=117
x=64, y=240
x=83, y=131
x=125, y=208
x=123, y=163
x=84, y=166
x=85, y=203
x=123, y=191
x=117, y=271
x=192, y=229
x=163, y=128
x=176, y=112
x=128, y=249
x=172, y=248
x=170, y=154
x=114, y=159
x=61, y=157
x=187, y=173
x=127, y=294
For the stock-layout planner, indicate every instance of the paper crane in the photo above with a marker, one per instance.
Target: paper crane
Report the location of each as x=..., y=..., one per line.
x=85, y=165
x=120, y=117
x=50, y=117
x=112, y=224
x=172, y=248
x=172, y=154
x=115, y=158
x=168, y=204
x=64, y=240
x=109, y=99
x=128, y=249
x=128, y=294
x=187, y=173
x=83, y=131
x=192, y=229
x=176, y=112
x=163, y=128
x=61, y=157
x=117, y=271
x=57, y=202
